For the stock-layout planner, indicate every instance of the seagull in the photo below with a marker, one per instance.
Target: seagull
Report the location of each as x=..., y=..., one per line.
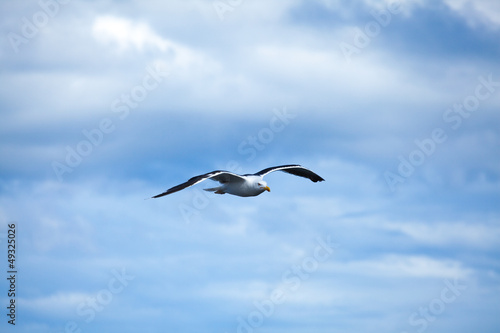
x=248, y=185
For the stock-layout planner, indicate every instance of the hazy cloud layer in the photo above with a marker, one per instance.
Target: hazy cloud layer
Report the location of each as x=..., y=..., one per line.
x=394, y=103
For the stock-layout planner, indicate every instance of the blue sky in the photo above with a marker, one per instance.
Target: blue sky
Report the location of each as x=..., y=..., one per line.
x=395, y=104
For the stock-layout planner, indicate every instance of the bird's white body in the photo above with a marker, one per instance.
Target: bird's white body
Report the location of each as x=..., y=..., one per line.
x=251, y=186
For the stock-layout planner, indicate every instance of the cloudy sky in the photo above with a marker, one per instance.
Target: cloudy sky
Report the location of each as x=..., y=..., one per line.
x=395, y=103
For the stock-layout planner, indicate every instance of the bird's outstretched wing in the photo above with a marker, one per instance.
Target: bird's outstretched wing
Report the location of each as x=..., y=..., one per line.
x=218, y=175
x=293, y=169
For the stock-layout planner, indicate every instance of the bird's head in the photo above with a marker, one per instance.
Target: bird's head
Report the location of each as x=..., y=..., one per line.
x=263, y=186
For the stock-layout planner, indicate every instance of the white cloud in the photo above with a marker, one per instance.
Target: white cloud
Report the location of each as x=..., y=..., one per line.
x=244, y=12
x=126, y=34
x=478, y=11
x=56, y=305
x=406, y=266
x=446, y=234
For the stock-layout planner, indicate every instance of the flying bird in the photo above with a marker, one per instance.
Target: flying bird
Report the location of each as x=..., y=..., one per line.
x=248, y=185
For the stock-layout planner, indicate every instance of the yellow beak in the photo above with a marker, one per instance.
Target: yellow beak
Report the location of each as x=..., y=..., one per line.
x=267, y=189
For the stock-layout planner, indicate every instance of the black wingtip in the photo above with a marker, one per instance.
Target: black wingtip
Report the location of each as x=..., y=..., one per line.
x=158, y=195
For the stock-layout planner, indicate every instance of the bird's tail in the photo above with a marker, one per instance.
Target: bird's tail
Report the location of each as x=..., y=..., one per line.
x=217, y=190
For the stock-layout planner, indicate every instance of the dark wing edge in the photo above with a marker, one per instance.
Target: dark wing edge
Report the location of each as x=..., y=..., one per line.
x=218, y=175
x=293, y=169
